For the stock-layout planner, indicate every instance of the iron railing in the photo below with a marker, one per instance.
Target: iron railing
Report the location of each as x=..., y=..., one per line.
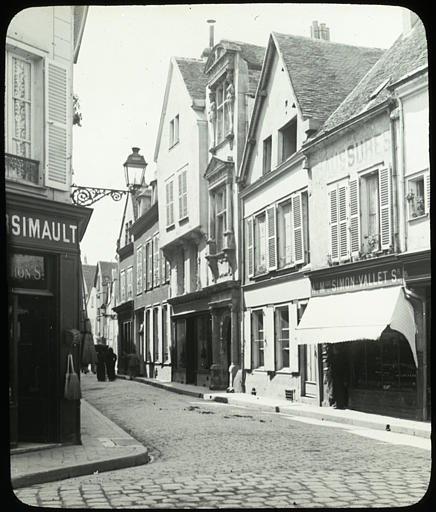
x=19, y=168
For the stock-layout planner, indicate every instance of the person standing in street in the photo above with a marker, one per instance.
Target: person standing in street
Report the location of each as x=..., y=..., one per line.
x=101, y=366
x=110, y=359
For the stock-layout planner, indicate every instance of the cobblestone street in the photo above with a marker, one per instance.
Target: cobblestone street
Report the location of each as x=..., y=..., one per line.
x=211, y=455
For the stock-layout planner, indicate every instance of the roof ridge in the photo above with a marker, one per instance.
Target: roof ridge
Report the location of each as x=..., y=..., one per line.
x=241, y=42
x=323, y=41
x=188, y=58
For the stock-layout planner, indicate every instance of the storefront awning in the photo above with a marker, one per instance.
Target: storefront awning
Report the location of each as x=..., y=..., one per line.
x=360, y=315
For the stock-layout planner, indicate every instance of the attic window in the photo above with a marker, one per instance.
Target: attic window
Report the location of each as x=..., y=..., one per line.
x=379, y=88
x=288, y=140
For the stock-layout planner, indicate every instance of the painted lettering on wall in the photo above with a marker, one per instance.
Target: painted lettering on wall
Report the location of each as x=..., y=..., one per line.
x=385, y=276
x=27, y=267
x=41, y=228
x=359, y=153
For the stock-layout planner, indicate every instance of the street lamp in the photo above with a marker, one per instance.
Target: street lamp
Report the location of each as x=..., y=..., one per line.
x=134, y=169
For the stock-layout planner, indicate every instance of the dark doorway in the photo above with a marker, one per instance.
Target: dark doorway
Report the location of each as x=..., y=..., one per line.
x=190, y=355
x=227, y=341
x=36, y=359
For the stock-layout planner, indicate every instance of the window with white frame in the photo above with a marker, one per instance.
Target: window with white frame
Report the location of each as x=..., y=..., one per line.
x=277, y=237
x=174, y=131
x=156, y=263
x=266, y=157
x=222, y=119
x=258, y=338
x=149, y=264
x=360, y=217
x=281, y=336
x=287, y=140
x=123, y=285
x=139, y=272
x=418, y=195
x=220, y=207
x=183, y=194
x=169, y=189
x=129, y=277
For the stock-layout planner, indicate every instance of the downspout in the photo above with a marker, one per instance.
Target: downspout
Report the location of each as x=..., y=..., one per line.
x=402, y=180
x=394, y=115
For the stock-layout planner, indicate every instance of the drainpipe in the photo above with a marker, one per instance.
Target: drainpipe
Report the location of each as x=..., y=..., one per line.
x=402, y=164
x=412, y=295
x=394, y=115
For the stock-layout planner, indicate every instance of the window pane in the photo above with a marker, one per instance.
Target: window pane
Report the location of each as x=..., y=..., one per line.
x=260, y=244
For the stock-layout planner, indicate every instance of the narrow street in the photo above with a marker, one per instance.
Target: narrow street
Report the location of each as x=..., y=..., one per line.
x=212, y=455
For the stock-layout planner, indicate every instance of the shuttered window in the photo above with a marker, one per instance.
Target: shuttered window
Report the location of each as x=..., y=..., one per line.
x=385, y=208
x=297, y=217
x=183, y=194
x=281, y=336
x=156, y=266
x=271, y=238
x=354, y=217
x=260, y=243
x=123, y=285
x=129, y=277
x=247, y=340
x=169, y=203
x=249, y=251
x=139, y=274
x=338, y=216
x=258, y=338
x=285, y=234
x=57, y=147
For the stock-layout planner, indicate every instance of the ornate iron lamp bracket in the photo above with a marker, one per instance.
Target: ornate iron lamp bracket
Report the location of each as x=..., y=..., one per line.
x=86, y=196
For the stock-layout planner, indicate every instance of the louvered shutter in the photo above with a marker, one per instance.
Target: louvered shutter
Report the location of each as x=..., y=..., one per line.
x=334, y=235
x=144, y=266
x=384, y=180
x=293, y=346
x=427, y=192
x=247, y=340
x=185, y=193
x=297, y=217
x=343, y=222
x=271, y=238
x=155, y=260
x=180, y=183
x=58, y=117
x=354, y=217
x=269, y=342
x=250, y=246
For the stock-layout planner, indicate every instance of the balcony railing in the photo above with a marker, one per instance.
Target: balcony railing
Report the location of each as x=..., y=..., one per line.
x=19, y=168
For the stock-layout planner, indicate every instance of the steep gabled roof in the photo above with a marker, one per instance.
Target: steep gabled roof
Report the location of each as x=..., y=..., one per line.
x=193, y=76
x=105, y=269
x=323, y=73
x=88, y=272
x=251, y=53
x=408, y=53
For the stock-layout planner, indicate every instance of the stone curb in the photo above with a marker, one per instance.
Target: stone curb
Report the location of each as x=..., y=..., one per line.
x=288, y=411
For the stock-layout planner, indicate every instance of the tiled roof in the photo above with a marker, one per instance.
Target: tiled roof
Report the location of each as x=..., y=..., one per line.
x=193, y=76
x=252, y=53
x=88, y=276
x=408, y=53
x=323, y=73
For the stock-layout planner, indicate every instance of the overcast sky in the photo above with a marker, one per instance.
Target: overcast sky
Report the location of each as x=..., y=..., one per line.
x=122, y=68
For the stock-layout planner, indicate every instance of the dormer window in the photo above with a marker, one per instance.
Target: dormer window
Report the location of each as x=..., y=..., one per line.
x=287, y=140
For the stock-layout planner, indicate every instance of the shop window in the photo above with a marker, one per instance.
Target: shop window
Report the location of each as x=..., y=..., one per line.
x=165, y=353
x=267, y=151
x=418, y=196
x=281, y=338
x=258, y=338
x=174, y=131
x=287, y=140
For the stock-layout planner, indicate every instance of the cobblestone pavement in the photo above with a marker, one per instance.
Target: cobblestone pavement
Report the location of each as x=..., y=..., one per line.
x=211, y=455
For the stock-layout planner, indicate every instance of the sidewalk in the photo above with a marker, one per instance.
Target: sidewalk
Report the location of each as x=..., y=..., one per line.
x=105, y=447
x=344, y=416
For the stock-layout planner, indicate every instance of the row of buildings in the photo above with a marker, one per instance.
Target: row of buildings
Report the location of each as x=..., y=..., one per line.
x=281, y=244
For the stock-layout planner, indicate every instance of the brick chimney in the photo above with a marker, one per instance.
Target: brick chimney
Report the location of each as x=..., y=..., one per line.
x=319, y=31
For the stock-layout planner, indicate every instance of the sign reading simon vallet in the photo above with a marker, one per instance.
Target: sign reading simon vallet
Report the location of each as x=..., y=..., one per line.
x=41, y=228
x=388, y=275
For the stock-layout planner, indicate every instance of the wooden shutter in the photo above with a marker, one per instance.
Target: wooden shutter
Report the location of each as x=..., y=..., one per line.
x=427, y=192
x=250, y=246
x=180, y=184
x=58, y=118
x=247, y=340
x=384, y=181
x=269, y=341
x=343, y=222
x=144, y=266
x=354, y=217
x=297, y=217
x=293, y=347
x=271, y=229
x=150, y=264
x=156, y=260
x=334, y=234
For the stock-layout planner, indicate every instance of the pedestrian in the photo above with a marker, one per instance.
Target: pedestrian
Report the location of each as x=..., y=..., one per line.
x=110, y=358
x=89, y=355
x=101, y=366
x=133, y=365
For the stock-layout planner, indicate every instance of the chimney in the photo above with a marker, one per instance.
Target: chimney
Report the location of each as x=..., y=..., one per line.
x=211, y=33
x=319, y=31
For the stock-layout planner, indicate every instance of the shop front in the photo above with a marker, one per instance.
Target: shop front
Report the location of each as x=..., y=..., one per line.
x=364, y=321
x=44, y=292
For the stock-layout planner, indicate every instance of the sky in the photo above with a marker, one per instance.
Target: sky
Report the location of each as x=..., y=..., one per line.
x=122, y=68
